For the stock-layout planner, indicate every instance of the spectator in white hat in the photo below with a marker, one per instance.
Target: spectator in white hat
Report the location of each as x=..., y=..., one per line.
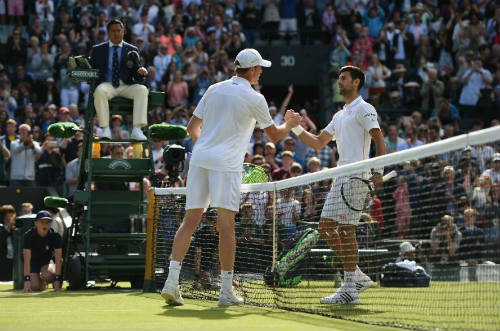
x=406, y=252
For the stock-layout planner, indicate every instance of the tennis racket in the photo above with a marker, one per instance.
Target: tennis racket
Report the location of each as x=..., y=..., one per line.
x=253, y=174
x=357, y=192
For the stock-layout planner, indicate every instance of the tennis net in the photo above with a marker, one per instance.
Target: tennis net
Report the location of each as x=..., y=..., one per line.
x=441, y=212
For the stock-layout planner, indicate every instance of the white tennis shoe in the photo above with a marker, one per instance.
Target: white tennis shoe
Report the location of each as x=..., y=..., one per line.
x=137, y=134
x=172, y=294
x=345, y=295
x=229, y=298
x=362, y=281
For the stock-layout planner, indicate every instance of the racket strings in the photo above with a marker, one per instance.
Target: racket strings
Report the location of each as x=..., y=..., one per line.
x=356, y=194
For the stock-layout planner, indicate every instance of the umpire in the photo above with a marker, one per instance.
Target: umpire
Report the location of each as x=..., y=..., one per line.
x=42, y=253
x=119, y=68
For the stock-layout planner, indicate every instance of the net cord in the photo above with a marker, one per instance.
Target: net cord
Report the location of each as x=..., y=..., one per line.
x=474, y=138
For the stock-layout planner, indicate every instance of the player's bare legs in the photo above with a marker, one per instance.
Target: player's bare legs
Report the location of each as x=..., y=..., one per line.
x=227, y=240
x=182, y=240
x=342, y=240
x=183, y=236
x=227, y=248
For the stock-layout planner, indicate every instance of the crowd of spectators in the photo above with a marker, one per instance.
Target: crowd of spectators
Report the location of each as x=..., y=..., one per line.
x=432, y=71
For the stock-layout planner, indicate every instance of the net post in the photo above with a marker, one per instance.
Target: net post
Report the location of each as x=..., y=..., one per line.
x=275, y=227
x=149, y=285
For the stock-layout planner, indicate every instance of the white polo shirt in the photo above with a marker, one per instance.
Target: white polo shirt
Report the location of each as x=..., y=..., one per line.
x=229, y=111
x=350, y=128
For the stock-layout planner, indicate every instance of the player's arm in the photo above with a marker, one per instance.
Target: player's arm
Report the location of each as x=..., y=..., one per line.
x=27, y=269
x=275, y=133
x=194, y=127
x=378, y=138
x=316, y=142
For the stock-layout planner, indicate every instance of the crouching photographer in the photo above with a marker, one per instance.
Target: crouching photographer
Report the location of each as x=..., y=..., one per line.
x=445, y=242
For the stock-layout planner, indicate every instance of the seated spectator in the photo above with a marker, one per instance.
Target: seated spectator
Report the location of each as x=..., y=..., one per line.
x=393, y=142
x=117, y=131
x=284, y=171
x=313, y=165
x=471, y=246
x=324, y=155
x=42, y=251
x=289, y=144
x=309, y=207
x=295, y=170
x=481, y=193
x=26, y=209
x=411, y=135
x=412, y=95
x=270, y=155
x=406, y=252
x=258, y=160
x=447, y=113
x=494, y=171
x=446, y=193
x=288, y=212
x=7, y=225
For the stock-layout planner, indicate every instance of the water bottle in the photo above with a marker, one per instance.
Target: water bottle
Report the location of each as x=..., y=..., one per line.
x=137, y=150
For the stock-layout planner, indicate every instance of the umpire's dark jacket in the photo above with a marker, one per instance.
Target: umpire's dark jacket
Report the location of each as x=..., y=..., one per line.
x=99, y=60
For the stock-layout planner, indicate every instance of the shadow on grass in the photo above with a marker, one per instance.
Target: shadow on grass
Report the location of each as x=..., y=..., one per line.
x=209, y=311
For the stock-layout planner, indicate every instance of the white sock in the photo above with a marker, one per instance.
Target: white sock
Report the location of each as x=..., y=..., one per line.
x=227, y=280
x=174, y=270
x=349, y=276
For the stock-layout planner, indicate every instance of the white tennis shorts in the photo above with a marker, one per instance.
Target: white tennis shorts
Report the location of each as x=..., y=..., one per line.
x=219, y=189
x=335, y=207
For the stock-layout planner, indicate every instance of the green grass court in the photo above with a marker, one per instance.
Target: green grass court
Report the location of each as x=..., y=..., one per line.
x=445, y=305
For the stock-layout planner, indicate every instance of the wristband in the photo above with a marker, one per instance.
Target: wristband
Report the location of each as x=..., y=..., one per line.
x=378, y=171
x=59, y=278
x=27, y=278
x=297, y=130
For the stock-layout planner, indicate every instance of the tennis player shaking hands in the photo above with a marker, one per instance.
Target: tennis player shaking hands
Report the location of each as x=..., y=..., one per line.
x=221, y=126
x=353, y=128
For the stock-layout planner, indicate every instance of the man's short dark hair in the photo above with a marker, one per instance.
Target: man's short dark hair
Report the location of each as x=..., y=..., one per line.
x=356, y=73
x=114, y=21
x=240, y=71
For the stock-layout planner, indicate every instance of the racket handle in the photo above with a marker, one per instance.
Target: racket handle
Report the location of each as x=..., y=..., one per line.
x=389, y=176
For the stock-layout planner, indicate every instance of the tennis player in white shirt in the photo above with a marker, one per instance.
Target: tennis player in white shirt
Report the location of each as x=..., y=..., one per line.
x=353, y=127
x=221, y=126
